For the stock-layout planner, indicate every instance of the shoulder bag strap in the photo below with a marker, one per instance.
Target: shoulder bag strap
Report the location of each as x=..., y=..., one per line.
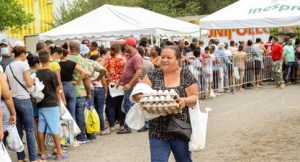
x=17, y=79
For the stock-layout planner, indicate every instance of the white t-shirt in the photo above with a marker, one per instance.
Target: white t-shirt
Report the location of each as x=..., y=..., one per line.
x=18, y=67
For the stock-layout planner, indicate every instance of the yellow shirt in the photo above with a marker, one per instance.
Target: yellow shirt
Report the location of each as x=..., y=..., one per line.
x=53, y=65
x=94, y=52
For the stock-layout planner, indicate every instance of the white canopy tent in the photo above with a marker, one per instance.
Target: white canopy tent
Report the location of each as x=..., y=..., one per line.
x=254, y=14
x=116, y=21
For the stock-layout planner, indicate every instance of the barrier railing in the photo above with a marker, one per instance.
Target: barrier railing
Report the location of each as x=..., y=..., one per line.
x=219, y=74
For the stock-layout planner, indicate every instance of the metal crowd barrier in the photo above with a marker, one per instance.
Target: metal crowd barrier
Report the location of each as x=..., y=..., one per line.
x=219, y=74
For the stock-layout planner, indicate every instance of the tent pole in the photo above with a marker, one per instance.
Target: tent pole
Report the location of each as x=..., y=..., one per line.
x=151, y=39
x=200, y=36
x=253, y=35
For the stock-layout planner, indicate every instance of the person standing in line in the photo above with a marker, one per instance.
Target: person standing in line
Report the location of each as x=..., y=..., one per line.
x=289, y=61
x=19, y=79
x=277, y=54
x=6, y=55
x=115, y=67
x=82, y=88
x=68, y=68
x=48, y=108
x=130, y=76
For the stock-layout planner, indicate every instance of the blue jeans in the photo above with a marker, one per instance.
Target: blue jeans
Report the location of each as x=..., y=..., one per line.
x=5, y=116
x=160, y=150
x=25, y=120
x=70, y=95
x=99, y=101
x=113, y=110
x=127, y=104
x=79, y=113
x=290, y=72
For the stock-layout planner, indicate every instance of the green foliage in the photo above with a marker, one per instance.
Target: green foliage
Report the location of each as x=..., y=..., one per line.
x=174, y=8
x=13, y=15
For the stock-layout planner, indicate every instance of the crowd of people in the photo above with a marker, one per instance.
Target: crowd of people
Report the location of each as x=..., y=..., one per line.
x=79, y=73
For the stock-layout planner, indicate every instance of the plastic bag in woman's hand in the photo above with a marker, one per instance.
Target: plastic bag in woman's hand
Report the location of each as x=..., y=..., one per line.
x=135, y=118
x=13, y=140
x=199, y=126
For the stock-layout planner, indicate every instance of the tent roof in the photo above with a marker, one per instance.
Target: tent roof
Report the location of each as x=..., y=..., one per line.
x=109, y=21
x=254, y=14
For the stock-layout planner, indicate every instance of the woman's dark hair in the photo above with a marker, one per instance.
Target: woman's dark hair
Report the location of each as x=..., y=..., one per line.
x=158, y=50
x=32, y=59
x=56, y=49
x=258, y=40
x=19, y=50
x=140, y=50
x=196, y=52
x=193, y=46
x=206, y=48
x=249, y=43
x=176, y=50
x=94, y=57
x=102, y=52
x=65, y=45
x=241, y=48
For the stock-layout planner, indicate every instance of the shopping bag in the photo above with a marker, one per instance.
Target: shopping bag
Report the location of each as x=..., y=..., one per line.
x=199, y=126
x=92, y=121
x=135, y=118
x=4, y=156
x=67, y=116
x=66, y=133
x=14, y=143
x=236, y=73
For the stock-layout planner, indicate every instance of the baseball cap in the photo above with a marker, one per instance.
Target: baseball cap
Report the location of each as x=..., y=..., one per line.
x=5, y=41
x=19, y=44
x=86, y=42
x=130, y=41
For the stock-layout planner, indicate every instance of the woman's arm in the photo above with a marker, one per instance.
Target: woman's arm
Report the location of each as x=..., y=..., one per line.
x=61, y=90
x=7, y=98
x=192, y=96
x=28, y=79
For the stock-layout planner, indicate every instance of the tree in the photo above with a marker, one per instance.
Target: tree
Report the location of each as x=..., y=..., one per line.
x=13, y=15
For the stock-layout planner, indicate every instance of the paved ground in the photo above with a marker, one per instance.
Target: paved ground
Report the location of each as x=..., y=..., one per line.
x=253, y=125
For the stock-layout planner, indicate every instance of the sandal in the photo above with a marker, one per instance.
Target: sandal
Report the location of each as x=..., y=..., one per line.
x=48, y=156
x=64, y=156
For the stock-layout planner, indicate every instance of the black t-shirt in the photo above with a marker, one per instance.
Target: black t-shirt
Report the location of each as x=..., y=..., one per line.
x=67, y=69
x=50, y=81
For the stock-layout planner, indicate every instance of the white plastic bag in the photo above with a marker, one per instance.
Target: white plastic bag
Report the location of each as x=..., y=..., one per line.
x=199, y=127
x=13, y=140
x=236, y=73
x=135, y=118
x=4, y=156
x=36, y=90
x=67, y=116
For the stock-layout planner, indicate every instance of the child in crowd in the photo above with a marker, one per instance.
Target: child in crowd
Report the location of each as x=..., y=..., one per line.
x=49, y=114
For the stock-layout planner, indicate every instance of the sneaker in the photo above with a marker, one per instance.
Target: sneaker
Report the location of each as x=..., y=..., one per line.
x=282, y=86
x=124, y=131
x=84, y=141
x=105, y=132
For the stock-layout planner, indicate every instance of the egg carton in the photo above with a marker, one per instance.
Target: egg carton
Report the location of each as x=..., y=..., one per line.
x=161, y=102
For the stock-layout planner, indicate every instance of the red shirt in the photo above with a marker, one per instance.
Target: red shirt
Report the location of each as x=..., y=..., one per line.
x=115, y=66
x=276, y=52
x=133, y=63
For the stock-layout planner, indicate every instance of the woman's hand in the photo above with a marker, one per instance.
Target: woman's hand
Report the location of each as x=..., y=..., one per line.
x=181, y=102
x=12, y=119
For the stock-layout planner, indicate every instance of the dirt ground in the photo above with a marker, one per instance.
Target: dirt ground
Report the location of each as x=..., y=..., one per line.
x=256, y=125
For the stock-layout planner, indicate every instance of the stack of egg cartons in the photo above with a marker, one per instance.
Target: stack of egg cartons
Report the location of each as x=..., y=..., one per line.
x=161, y=102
